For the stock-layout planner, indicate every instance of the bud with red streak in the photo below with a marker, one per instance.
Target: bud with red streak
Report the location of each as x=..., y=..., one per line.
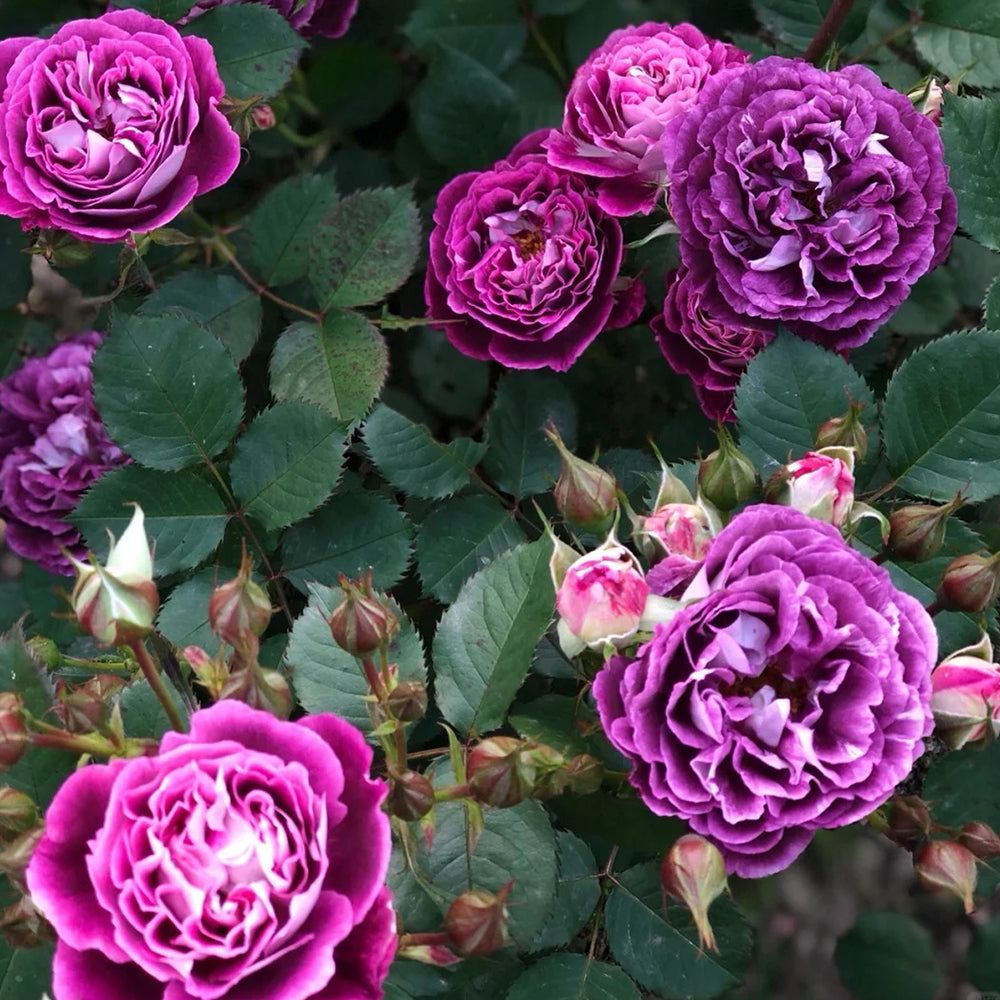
x=917, y=532
x=263, y=116
x=970, y=583
x=239, y=610
x=407, y=701
x=477, y=921
x=981, y=839
x=680, y=530
x=260, y=688
x=820, y=484
x=585, y=494
x=13, y=733
x=948, y=866
x=411, y=796
x=497, y=772
x=362, y=623
x=694, y=872
x=965, y=696
x=212, y=672
x=845, y=432
x=908, y=820
x=16, y=856
x=86, y=707
x=23, y=926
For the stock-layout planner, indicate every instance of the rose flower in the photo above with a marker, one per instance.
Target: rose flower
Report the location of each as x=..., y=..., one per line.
x=791, y=695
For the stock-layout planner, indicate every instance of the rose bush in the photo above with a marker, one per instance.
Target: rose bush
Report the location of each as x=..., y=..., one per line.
x=808, y=197
x=109, y=127
x=620, y=101
x=246, y=860
x=53, y=446
x=523, y=263
x=791, y=695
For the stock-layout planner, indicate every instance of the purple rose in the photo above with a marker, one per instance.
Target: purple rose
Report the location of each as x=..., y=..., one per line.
x=110, y=126
x=620, y=101
x=329, y=18
x=247, y=860
x=792, y=695
x=523, y=264
x=713, y=354
x=808, y=197
x=53, y=446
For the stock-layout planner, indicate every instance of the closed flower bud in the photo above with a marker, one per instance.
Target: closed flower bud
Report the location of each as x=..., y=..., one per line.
x=117, y=603
x=693, y=872
x=477, y=921
x=908, y=820
x=965, y=696
x=547, y=768
x=44, y=652
x=497, y=772
x=14, y=858
x=970, y=583
x=947, y=865
x=845, y=432
x=585, y=494
x=602, y=596
x=240, y=608
x=263, y=116
x=260, y=688
x=727, y=477
x=13, y=734
x=18, y=813
x=981, y=839
x=411, y=796
x=917, y=532
x=584, y=774
x=820, y=484
x=362, y=623
x=86, y=708
x=407, y=701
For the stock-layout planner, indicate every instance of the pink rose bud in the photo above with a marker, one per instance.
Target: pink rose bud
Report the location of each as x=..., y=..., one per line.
x=428, y=954
x=727, y=477
x=603, y=595
x=239, y=610
x=477, y=921
x=683, y=530
x=693, y=872
x=845, y=432
x=947, y=865
x=820, y=484
x=362, y=623
x=584, y=493
x=981, y=839
x=212, y=672
x=965, y=696
x=917, y=532
x=13, y=734
x=263, y=116
x=928, y=99
x=118, y=602
x=908, y=820
x=407, y=701
x=970, y=583
x=411, y=796
x=18, y=813
x=498, y=773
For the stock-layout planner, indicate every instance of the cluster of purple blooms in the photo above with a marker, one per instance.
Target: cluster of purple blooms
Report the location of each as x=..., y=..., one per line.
x=803, y=197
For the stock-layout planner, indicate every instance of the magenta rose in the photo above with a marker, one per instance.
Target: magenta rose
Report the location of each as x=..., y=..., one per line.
x=53, y=447
x=620, y=101
x=523, y=264
x=110, y=126
x=329, y=18
x=790, y=695
x=712, y=353
x=808, y=197
x=247, y=860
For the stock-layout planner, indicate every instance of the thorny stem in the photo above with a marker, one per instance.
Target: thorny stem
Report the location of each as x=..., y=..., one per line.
x=374, y=680
x=155, y=679
x=828, y=29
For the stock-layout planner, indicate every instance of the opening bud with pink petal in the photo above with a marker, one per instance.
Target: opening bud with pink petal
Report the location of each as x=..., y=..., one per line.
x=695, y=873
x=820, y=484
x=965, y=696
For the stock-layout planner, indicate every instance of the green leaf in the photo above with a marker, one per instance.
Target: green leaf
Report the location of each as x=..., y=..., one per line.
x=952, y=51
x=963, y=788
x=660, y=950
x=458, y=538
x=490, y=32
x=339, y=366
x=485, y=641
x=256, y=49
x=465, y=115
x=168, y=391
x=281, y=226
x=788, y=390
x=287, y=463
x=356, y=531
x=519, y=457
x=219, y=302
x=326, y=678
x=183, y=618
x=625, y=822
x=795, y=22
x=413, y=461
x=354, y=83
x=165, y=10
x=14, y=264
x=446, y=379
x=365, y=247
x=886, y=956
x=539, y=97
x=555, y=720
x=577, y=892
x=982, y=964
x=25, y=973
x=991, y=306
x=185, y=516
x=942, y=415
x=970, y=130
x=142, y=713
x=573, y=977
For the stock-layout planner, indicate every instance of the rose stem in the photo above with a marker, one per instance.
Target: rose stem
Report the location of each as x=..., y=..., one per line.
x=152, y=674
x=828, y=29
x=543, y=45
x=399, y=734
